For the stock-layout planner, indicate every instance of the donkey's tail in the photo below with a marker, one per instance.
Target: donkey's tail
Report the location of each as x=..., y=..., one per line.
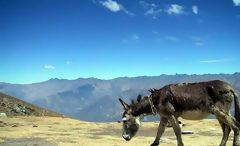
x=236, y=106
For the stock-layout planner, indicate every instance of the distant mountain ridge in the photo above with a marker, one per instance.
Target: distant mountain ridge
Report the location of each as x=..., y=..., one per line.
x=94, y=99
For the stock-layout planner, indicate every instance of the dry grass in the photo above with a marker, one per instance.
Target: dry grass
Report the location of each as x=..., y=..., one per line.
x=53, y=131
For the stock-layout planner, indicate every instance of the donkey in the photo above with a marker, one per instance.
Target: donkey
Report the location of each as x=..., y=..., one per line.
x=191, y=101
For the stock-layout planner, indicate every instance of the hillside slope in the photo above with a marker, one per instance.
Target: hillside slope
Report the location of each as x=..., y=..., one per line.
x=12, y=106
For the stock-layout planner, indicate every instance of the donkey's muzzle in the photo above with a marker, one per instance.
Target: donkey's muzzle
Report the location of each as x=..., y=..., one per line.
x=126, y=137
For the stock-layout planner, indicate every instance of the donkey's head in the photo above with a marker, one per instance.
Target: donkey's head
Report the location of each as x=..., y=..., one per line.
x=131, y=123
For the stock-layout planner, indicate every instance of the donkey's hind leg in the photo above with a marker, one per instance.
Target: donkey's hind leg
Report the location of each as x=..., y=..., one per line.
x=230, y=121
x=177, y=130
x=226, y=131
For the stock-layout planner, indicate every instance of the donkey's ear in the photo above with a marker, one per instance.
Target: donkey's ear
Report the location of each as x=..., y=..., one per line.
x=124, y=104
x=139, y=98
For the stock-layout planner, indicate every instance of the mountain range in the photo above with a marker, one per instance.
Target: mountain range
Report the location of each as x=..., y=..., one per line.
x=94, y=99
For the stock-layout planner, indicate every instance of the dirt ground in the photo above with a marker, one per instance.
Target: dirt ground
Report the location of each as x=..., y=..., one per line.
x=57, y=131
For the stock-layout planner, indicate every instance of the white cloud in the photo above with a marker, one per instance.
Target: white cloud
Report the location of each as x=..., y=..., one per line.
x=146, y=5
x=200, y=21
x=195, y=38
x=128, y=12
x=49, y=67
x=151, y=9
x=195, y=9
x=171, y=38
x=135, y=37
x=149, y=12
x=131, y=38
x=94, y=1
x=236, y=2
x=153, y=12
x=214, y=61
x=175, y=9
x=111, y=5
x=198, y=43
x=114, y=6
x=165, y=59
x=124, y=41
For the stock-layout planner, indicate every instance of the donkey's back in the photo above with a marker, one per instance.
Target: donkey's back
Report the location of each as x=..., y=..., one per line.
x=189, y=98
x=199, y=90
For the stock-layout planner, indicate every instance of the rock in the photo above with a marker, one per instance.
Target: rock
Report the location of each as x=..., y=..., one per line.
x=3, y=124
x=14, y=125
x=212, y=129
x=17, y=109
x=181, y=124
x=3, y=115
x=187, y=132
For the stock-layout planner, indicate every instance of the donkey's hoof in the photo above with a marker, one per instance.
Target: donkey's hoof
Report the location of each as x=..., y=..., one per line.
x=155, y=143
x=181, y=144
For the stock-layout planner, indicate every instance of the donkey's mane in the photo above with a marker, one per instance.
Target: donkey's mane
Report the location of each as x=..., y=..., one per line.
x=152, y=91
x=141, y=98
x=136, y=101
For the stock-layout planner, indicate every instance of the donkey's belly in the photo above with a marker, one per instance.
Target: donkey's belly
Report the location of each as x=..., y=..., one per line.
x=194, y=115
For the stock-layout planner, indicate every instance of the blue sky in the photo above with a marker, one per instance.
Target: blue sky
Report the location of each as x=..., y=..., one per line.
x=43, y=39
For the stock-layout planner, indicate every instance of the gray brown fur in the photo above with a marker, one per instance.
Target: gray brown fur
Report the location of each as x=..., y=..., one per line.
x=192, y=101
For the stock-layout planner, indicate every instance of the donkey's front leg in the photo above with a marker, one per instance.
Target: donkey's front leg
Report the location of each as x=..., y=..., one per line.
x=177, y=130
x=161, y=129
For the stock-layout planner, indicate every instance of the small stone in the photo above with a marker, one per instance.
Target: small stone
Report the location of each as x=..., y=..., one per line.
x=3, y=115
x=3, y=124
x=14, y=125
x=212, y=129
x=187, y=132
x=17, y=109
